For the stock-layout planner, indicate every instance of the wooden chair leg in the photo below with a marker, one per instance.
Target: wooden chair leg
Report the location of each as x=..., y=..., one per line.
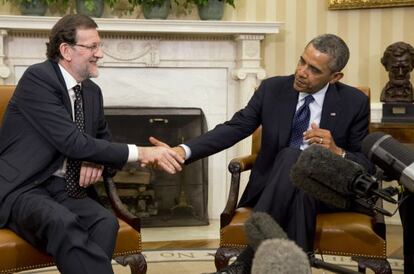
x=223, y=255
x=136, y=262
x=379, y=266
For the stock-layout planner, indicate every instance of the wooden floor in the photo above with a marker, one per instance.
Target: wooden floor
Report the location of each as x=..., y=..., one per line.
x=394, y=243
x=181, y=244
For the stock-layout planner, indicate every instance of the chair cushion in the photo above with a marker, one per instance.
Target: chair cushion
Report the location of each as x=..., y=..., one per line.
x=18, y=255
x=344, y=233
x=128, y=240
x=348, y=234
x=233, y=234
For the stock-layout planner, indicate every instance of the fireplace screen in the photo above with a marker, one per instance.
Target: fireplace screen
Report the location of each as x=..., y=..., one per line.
x=158, y=198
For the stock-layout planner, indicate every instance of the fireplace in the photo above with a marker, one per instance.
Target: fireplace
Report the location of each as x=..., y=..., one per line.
x=159, y=198
x=214, y=66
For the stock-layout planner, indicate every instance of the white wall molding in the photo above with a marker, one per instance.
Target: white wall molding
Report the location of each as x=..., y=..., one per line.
x=376, y=112
x=45, y=23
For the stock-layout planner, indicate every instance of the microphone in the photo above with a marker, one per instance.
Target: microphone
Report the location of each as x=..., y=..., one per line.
x=275, y=253
x=395, y=159
x=280, y=256
x=336, y=181
x=260, y=227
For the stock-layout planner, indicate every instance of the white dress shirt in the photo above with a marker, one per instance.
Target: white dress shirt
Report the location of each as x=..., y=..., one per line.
x=315, y=108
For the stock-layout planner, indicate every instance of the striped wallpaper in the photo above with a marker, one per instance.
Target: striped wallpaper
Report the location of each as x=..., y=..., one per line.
x=367, y=32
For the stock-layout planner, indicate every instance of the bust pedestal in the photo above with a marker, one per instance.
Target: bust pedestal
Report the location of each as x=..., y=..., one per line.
x=397, y=113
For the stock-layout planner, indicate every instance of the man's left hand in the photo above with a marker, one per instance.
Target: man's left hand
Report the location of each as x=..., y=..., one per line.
x=90, y=173
x=322, y=137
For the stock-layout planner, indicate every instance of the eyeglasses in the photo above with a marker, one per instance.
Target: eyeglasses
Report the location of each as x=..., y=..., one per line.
x=93, y=48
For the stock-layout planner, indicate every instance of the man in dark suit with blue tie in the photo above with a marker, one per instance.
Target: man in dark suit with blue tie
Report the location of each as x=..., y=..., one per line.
x=309, y=107
x=54, y=143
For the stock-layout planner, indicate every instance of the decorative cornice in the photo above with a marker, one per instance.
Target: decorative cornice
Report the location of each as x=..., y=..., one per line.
x=136, y=35
x=44, y=23
x=362, y=4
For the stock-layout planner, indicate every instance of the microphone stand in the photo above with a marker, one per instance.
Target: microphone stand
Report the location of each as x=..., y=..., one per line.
x=317, y=263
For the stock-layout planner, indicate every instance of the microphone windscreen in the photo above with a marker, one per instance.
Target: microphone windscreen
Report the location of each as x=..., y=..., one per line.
x=261, y=226
x=384, y=151
x=325, y=175
x=321, y=192
x=280, y=256
x=370, y=140
x=394, y=158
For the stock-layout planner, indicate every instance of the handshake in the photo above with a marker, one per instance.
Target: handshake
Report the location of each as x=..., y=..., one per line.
x=161, y=156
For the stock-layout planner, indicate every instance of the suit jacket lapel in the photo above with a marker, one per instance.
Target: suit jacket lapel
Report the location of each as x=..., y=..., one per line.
x=331, y=109
x=64, y=89
x=286, y=109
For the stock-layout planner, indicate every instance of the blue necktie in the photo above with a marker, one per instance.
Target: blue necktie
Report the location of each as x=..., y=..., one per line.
x=300, y=123
x=73, y=166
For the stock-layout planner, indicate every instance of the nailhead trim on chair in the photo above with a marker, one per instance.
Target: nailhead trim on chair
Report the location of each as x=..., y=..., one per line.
x=126, y=253
x=139, y=250
x=27, y=268
x=116, y=254
x=232, y=245
x=52, y=264
x=327, y=252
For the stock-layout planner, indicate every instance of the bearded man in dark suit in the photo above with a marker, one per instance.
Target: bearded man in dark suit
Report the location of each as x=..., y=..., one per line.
x=338, y=120
x=54, y=126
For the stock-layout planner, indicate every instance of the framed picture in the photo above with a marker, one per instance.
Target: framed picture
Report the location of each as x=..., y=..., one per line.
x=363, y=4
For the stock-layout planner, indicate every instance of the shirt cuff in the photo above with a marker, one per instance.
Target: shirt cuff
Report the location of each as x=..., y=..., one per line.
x=187, y=151
x=133, y=153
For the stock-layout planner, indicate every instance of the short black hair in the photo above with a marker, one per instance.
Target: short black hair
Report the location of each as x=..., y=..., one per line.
x=333, y=46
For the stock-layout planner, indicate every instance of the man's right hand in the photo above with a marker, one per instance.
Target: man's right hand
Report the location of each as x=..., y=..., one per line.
x=161, y=156
x=179, y=150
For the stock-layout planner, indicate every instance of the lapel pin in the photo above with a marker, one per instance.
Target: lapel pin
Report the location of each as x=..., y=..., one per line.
x=332, y=114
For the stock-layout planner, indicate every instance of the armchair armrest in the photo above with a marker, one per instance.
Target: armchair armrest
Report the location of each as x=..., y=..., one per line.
x=119, y=208
x=236, y=166
x=241, y=164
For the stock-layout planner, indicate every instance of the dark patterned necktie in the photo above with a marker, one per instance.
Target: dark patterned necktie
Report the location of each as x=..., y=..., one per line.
x=74, y=166
x=300, y=123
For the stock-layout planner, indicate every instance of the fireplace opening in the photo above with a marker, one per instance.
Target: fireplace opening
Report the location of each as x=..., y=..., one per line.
x=158, y=198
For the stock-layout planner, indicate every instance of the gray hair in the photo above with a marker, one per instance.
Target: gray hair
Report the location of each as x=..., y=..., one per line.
x=333, y=46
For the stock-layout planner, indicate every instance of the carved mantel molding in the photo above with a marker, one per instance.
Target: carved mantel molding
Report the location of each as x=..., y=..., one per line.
x=44, y=23
x=247, y=36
